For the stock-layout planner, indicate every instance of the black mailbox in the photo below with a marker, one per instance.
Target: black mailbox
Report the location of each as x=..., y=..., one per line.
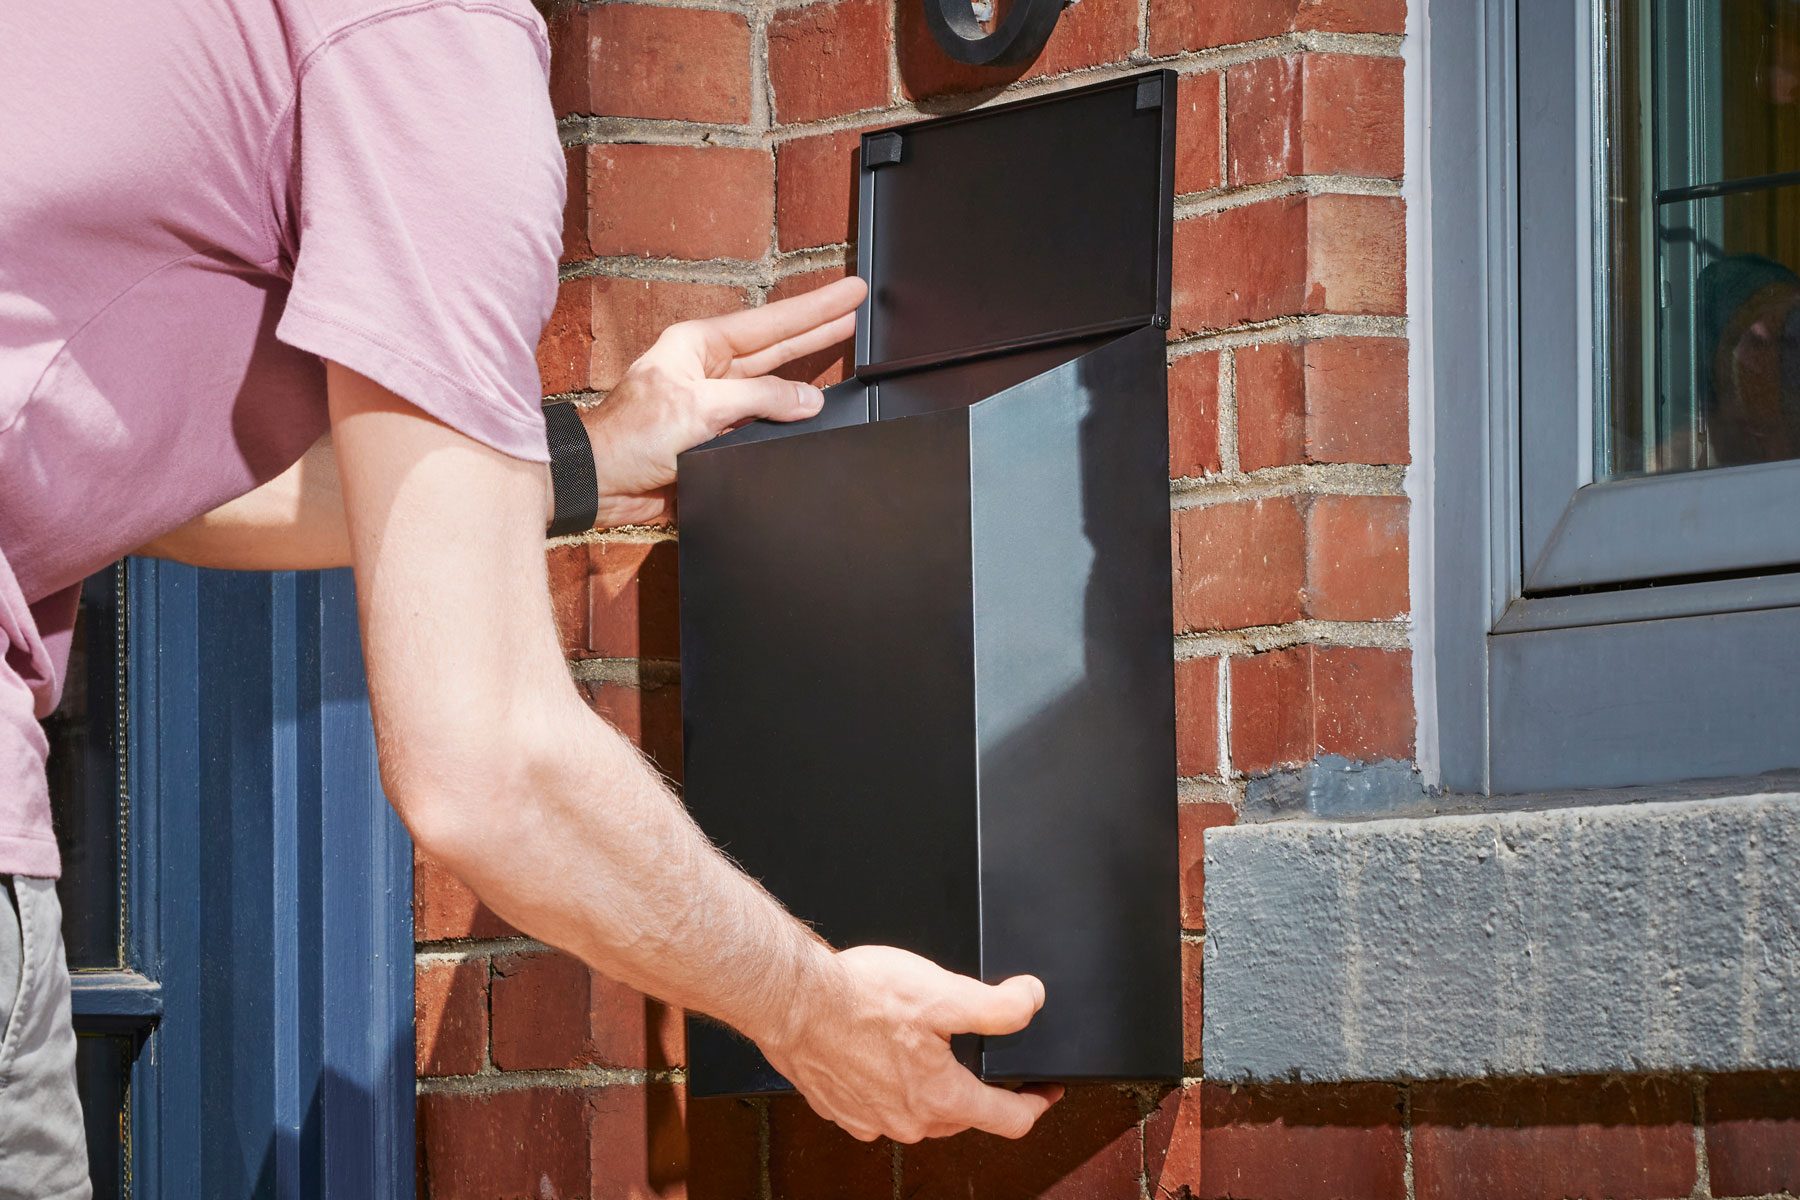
x=927, y=685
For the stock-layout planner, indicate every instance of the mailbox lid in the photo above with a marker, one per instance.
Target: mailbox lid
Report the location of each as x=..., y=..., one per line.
x=1025, y=224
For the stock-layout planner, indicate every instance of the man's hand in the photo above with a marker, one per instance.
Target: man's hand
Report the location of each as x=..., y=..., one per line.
x=871, y=1051
x=702, y=378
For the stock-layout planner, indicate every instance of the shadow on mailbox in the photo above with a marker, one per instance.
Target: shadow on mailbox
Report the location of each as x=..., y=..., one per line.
x=927, y=685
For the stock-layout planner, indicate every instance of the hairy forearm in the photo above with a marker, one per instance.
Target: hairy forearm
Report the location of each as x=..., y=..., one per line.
x=600, y=858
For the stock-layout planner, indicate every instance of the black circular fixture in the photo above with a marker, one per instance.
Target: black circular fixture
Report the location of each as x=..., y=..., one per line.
x=1018, y=38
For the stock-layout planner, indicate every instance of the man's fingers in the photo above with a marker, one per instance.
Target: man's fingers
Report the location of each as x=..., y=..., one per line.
x=1001, y=1112
x=730, y=402
x=737, y=334
x=971, y=1006
x=788, y=349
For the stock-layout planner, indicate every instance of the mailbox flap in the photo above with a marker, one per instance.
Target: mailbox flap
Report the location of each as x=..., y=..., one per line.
x=1022, y=225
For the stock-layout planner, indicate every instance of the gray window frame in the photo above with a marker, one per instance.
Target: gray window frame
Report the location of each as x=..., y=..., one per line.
x=1540, y=686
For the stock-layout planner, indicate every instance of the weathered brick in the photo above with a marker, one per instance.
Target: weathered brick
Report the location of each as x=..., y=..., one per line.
x=575, y=206
x=1753, y=1134
x=1194, y=820
x=723, y=1156
x=649, y=715
x=1271, y=404
x=692, y=202
x=828, y=59
x=615, y=599
x=519, y=1142
x=809, y=1156
x=1193, y=1000
x=1172, y=1138
x=450, y=1016
x=1242, y=563
x=1194, y=415
x=1272, y=710
x=637, y=60
x=815, y=189
x=550, y=1011
x=1623, y=1139
x=445, y=908
x=1301, y=1143
x=1197, y=133
x=1086, y=1147
x=1262, y=120
x=1246, y=263
x=1363, y=703
x=1197, y=717
x=1356, y=252
x=567, y=346
x=1315, y=114
x=1356, y=401
x=1356, y=558
x=628, y=315
x=1177, y=25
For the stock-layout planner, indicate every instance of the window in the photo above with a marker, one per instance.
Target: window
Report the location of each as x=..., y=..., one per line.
x=236, y=892
x=1618, y=513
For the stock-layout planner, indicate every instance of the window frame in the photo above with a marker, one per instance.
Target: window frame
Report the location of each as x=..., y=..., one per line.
x=1539, y=689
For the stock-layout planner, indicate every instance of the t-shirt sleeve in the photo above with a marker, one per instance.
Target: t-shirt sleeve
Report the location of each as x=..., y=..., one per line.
x=429, y=208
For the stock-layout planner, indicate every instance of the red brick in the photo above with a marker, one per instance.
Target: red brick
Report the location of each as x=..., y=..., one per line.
x=1197, y=133
x=615, y=599
x=1363, y=703
x=567, y=347
x=691, y=202
x=1172, y=1139
x=680, y=64
x=1085, y=1148
x=1271, y=404
x=1352, y=119
x=1332, y=401
x=1086, y=35
x=450, y=1016
x=1242, y=563
x=723, y=1155
x=1301, y=1143
x=815, y=190
x=1272, y=710
x=1246, y=263
x=1356, y=252
x=1195, y=820
x=445, y=908
x=550, y=1011
x=1356, y=558
x=1356, y=401
x=822, y=368
x=1622, y=1139
x=1177, y=25
x=811, y=1157
x=1197, y=717
x=1194, y=415
x=1192, y=1001
x=524, y=1142
x=649, y=1141
x=575, y=206
x=630, y=314
x=829, y=59
x=649, y=715
x=1753, y=1134
x=1262, y=120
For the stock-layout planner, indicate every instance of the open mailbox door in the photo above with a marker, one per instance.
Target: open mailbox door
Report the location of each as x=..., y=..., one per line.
x=927, y=680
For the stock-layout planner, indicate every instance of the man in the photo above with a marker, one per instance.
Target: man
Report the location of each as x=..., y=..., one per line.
x=271, y=277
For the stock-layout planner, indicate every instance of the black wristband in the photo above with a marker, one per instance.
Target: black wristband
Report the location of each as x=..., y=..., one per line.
x=573, y=480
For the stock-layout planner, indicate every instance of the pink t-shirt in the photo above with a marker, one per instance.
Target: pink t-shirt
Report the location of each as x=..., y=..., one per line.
x=199, y=201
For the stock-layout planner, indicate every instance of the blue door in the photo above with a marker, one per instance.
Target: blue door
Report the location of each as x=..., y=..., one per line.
x=237, y=893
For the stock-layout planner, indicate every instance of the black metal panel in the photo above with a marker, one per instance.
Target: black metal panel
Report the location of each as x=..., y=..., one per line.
x=1016, y=225
x=828, y=685
x=1075, y=721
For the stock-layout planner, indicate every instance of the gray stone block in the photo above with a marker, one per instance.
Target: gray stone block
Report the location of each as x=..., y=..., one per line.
x=1636, y=937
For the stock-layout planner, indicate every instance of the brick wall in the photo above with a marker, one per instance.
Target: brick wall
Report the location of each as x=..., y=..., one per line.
x=710, y=150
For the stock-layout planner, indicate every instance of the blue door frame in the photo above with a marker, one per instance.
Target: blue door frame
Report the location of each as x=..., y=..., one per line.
x=269, y=889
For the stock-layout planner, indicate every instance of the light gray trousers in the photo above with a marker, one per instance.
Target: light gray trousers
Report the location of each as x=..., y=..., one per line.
x=43, y=1147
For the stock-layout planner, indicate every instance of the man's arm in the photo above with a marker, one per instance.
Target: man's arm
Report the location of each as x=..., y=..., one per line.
x=505, y=777
x=294, y=522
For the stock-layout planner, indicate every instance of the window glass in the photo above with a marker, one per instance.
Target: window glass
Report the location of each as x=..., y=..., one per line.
x=1702, y=214
x=86, y=768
